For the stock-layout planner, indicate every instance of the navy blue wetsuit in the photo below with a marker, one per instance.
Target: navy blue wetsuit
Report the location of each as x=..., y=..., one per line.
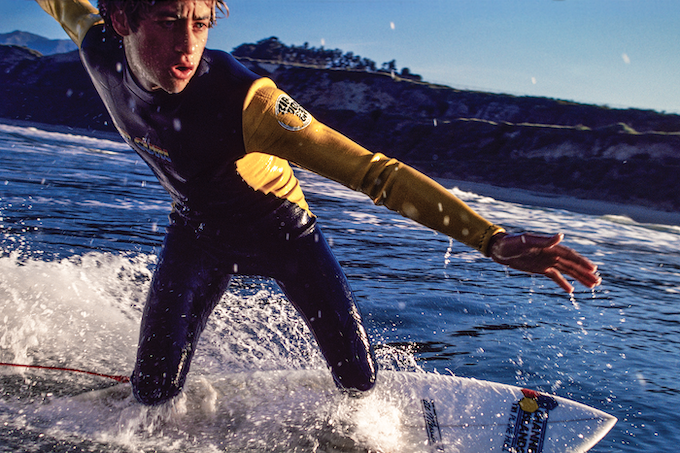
x=220, y=225
x=221, y=149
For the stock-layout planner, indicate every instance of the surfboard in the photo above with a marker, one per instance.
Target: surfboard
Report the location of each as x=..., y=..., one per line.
x=415, y=412
x=450, y=413
x=302, y=410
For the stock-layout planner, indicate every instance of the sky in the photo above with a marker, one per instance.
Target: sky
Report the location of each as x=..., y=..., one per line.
x=618, y=53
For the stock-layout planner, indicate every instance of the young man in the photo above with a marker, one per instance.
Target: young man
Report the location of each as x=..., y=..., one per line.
x=219, y=139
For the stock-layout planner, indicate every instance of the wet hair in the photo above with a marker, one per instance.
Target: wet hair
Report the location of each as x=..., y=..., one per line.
x=136, y=9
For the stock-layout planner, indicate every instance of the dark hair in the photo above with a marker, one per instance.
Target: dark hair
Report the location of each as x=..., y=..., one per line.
x=135, y=9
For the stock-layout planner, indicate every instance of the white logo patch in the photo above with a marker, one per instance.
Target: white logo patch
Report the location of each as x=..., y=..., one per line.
x=290, y=114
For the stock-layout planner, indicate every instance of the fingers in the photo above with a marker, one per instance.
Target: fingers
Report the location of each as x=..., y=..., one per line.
x=584, y=274
x=571, y=263
x=557, y=277
x=568, y=255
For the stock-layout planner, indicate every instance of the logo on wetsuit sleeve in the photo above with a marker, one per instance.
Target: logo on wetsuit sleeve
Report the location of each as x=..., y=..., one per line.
x=290, y=114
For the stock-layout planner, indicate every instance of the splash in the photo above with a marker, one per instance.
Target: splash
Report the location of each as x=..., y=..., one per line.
x=80, y=310
x=84, y=312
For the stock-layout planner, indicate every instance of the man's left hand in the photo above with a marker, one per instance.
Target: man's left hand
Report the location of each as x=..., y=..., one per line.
x=538, y=254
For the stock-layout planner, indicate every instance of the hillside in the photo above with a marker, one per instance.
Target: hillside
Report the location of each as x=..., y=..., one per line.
x=626, y=156
x=43, y=45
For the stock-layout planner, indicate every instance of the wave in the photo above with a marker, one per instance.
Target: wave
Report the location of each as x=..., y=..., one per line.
x=35, y=135
x=625, y=220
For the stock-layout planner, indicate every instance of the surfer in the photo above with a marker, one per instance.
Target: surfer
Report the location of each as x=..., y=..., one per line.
x=220, y=138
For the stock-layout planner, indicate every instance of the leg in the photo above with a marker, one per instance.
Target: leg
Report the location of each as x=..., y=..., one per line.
x=186, y=287
x=315, y=284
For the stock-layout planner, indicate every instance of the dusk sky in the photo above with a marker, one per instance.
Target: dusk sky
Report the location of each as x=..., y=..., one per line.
x=620, y=53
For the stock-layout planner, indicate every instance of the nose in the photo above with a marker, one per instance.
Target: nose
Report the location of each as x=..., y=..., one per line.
x=185, y=40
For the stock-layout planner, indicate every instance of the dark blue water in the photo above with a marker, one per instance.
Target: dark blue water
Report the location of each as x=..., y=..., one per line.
x=81, y=220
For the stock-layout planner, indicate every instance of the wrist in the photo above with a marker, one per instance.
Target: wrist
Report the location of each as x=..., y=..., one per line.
x=493, y=240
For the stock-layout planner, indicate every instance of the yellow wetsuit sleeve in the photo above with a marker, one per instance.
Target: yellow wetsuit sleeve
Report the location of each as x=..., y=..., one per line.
x=76, y=17
x=275, y=125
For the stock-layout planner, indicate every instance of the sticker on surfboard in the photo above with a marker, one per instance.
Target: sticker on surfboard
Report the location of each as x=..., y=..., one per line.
x=434, y=433
x=528, y=423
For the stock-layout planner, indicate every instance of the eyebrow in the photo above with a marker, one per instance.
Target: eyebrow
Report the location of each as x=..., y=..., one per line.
x=179, y=16
x=167, y=13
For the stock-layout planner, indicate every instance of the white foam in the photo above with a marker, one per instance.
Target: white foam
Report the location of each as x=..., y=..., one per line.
x=39, y=135
x=82, y=310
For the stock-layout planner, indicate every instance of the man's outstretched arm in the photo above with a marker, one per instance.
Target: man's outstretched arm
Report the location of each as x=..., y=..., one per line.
x=270, y=128
x=76, y=17
x=403, y=189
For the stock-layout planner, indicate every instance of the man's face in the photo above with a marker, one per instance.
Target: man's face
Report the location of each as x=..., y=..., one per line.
x=165, y=50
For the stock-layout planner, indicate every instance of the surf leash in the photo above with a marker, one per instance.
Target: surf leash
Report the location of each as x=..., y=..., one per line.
x=117, y=378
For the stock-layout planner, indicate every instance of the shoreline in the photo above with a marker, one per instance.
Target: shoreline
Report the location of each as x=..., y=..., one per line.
x=637, y=213
x=64, y=129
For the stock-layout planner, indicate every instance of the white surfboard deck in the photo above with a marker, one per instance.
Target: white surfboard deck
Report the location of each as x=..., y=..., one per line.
x=422, y=412
x=405, y=412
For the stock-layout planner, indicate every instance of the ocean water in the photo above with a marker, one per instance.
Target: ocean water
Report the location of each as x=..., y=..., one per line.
x=81, y=222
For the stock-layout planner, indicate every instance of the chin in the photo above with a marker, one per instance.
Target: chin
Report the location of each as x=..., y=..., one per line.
x=172, y=89
x=176, y=88
x=170, y=85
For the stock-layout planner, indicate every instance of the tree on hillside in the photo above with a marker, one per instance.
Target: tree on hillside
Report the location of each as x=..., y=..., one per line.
x=272, y=49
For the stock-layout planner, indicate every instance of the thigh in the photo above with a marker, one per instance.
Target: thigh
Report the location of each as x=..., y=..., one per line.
x=187, y=284
x=314, y=283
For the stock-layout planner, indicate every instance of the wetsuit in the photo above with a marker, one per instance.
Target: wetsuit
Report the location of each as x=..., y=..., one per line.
x=221, y=149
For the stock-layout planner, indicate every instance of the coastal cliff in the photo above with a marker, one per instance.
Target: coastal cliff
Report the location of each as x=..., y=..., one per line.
x=547, y=145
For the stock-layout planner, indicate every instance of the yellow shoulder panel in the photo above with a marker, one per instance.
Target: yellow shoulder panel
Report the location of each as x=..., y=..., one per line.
x=75, y=16
x=274, y=124
x=267, y=173
x=270, y=174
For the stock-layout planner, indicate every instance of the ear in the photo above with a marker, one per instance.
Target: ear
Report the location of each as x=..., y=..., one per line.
x=120, y=23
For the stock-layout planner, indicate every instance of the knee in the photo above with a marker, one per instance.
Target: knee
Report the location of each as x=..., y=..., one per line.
x=160, y=370
x=355, y=377
x=354, y=388
x=153, y=390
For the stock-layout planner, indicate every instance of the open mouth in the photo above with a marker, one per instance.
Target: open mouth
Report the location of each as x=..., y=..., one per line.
x=182, y=71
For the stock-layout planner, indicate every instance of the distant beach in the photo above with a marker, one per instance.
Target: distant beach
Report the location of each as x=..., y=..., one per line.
x=639, y=214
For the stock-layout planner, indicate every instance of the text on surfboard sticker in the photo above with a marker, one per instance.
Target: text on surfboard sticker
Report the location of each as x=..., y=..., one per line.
x=434, y=434
x=528, y=423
